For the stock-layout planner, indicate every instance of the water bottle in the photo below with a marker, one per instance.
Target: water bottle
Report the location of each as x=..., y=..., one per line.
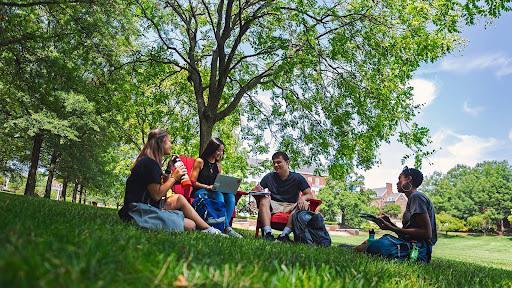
x=185, y=181
x=371, y=236
x=413, y=255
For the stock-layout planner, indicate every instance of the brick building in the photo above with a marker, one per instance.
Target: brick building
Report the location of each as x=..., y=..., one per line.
x=385, y=195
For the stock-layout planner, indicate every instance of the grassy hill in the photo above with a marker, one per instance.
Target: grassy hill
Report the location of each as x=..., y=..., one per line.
x=53, y=244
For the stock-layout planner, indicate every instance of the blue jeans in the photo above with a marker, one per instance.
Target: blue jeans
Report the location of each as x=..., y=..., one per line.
x=389, y=246
x=227, y=198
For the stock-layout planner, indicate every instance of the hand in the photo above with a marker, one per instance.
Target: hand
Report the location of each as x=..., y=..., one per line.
x=258, y=188
x=164, y=178
x=209, y=187
x=179, y=172
x=385, y=225
x=170, y=165
x=302, y=204
x=385, y=218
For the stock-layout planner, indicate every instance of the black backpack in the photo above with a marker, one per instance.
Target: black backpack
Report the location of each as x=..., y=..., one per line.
x=309, y=228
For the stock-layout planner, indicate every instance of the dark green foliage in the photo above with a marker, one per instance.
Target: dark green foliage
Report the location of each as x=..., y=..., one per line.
x=393, y=210
x=484, y=191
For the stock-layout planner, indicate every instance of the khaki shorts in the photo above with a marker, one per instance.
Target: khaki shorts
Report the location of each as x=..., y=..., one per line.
x=276, y=207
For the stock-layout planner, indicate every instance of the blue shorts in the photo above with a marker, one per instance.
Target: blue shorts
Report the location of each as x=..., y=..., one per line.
x=391, y=247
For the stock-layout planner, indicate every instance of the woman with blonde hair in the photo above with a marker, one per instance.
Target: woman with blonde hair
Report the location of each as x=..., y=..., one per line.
x=147, y=184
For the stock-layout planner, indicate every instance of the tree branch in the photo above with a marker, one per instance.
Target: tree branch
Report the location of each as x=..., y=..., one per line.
x=41, y=3
x=244, y=89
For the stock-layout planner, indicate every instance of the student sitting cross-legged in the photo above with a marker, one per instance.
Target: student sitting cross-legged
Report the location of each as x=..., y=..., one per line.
x=285, y=187
x=148, y=185
x=418, y=230
x=205, y=170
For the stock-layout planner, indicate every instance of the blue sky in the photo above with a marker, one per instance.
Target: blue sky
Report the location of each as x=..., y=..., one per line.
x=468, y=105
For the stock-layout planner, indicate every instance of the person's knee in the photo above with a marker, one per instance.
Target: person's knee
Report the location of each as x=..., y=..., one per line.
x=229, y=198
x=189, y=225
x=181, y=198
x=264, y=202
x=217, y=196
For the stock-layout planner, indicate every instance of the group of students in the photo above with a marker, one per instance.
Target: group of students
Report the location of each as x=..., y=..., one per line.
x=290, y=192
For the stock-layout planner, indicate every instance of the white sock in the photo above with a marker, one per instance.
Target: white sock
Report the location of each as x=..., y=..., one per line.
x=286, y=231
x=267, y=229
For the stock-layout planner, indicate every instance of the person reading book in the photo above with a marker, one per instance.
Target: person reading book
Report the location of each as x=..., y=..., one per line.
x=418, y=223
x=285, y=188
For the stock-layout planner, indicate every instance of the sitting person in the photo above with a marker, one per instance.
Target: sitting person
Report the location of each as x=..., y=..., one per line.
x=418, y=223
x=205, y=170
x=147, y=184
x=285, y=187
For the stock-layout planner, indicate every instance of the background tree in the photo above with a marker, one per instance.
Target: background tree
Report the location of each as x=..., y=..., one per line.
x=465, y=192
x=393, y=210
x=339, y=200
x=57, y=71
x=448, y=223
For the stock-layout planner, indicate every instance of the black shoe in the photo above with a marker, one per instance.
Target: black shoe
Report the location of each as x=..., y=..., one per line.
x=269, y=237
x=284, y=239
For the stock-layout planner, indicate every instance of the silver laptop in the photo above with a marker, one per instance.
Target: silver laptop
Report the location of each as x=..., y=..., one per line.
x=226, y=184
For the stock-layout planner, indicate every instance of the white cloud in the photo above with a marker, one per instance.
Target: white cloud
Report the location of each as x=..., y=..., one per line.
x=424, y=91
x=455, y=149
x=510, y=135
x=473, y=111
x=500, y=63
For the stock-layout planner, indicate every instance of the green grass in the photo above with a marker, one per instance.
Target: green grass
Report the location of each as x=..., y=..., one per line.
x=51, y=244
x=492, y=251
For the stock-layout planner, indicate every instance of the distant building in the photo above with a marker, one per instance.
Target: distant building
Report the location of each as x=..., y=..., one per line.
x=385, y=195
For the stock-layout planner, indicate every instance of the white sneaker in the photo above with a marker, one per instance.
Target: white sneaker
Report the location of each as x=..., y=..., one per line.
x=231, y=232
x=214, y=231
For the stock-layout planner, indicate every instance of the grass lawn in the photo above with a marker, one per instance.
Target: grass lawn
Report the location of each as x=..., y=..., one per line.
x=48, y=243
x=493, y=251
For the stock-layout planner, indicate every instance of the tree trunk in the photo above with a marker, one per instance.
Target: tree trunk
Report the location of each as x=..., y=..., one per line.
x=205, y=132
x=80, y=194
x=75, y=190
x=64, y=190
x=500, y=227
x=85, y=196
x=34, y=162
x=51, y=170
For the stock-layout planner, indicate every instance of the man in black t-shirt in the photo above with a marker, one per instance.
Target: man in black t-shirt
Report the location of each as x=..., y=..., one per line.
x=285, y=188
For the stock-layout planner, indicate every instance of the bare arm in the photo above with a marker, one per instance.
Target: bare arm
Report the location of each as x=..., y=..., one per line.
x=198, y=165
x=157, y=191
x=424, y=232
x=306, y=195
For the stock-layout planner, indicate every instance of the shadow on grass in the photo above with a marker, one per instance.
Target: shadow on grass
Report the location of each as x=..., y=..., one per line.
x=89, y=244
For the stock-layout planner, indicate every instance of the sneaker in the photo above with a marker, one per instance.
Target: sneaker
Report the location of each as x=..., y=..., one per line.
x=269, y=236
x=284, y=239
x=214, y=231
x=231, y=232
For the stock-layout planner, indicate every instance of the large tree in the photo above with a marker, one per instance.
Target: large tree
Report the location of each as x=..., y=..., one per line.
x=57, y=56
x=335, y=73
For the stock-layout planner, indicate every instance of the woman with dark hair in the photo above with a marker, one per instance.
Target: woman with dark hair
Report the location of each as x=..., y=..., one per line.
x=418, y=231
x=205, y=170
x=147, y=184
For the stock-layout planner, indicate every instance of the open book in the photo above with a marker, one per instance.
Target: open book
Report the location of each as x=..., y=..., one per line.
x=260, y=193
x=372, y=218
